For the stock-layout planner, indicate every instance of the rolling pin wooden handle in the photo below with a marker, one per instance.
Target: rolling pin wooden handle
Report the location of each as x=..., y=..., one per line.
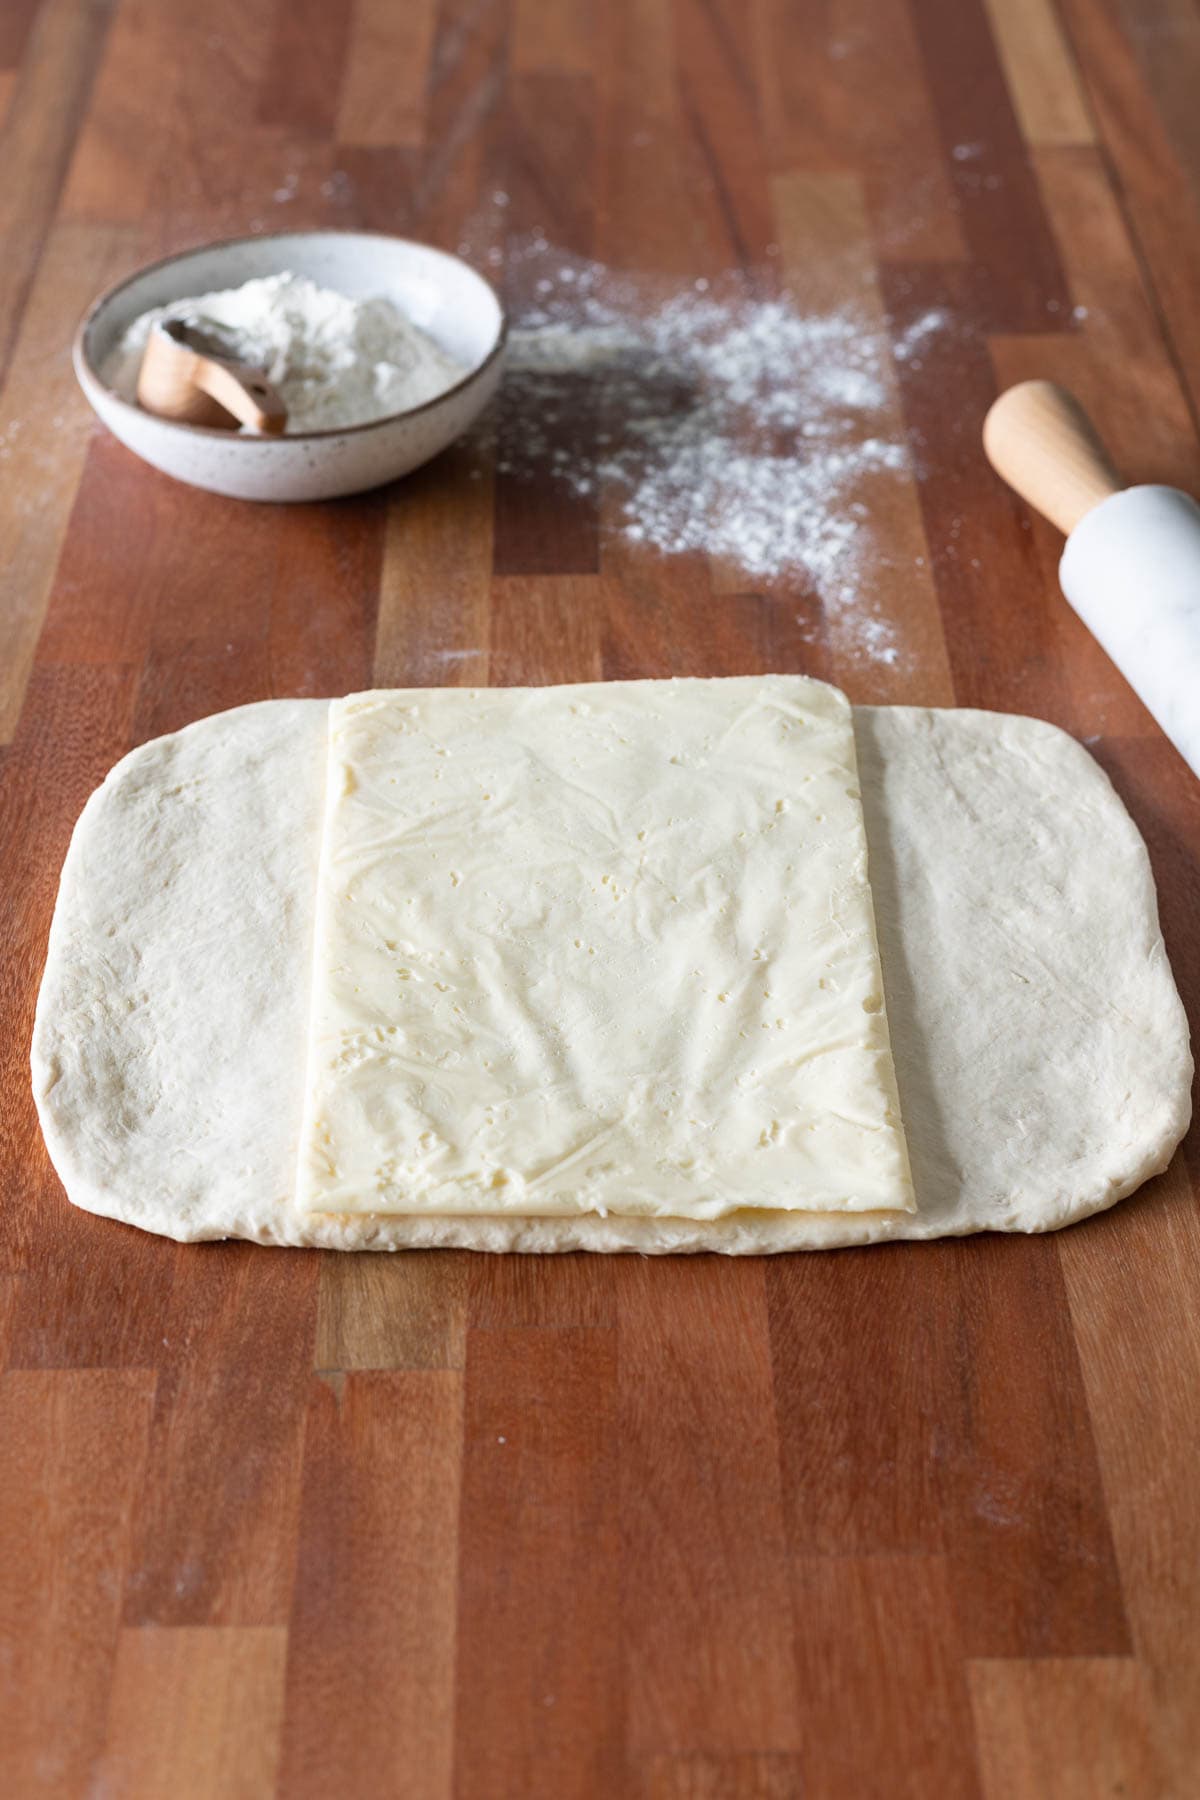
x=1038, y=437
x=244, y=392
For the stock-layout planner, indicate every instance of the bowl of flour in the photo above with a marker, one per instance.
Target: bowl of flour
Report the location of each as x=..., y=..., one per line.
x=383, y=350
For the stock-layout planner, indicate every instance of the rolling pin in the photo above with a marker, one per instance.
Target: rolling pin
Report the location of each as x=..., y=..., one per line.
x=1131, y=566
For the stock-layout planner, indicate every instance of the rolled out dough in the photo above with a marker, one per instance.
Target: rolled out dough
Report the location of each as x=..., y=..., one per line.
x=1041, y=1049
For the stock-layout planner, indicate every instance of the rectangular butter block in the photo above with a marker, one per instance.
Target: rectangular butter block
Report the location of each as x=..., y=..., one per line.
x=604, y=948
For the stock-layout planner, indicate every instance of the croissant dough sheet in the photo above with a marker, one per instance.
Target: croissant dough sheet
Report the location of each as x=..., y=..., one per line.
x=598, y=949
x=1040, y=1047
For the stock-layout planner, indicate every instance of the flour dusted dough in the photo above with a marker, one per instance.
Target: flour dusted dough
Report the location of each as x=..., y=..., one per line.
x=605, y=948
x=1041, y=1049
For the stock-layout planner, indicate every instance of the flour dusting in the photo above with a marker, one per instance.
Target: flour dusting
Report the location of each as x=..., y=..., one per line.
x=711, y=420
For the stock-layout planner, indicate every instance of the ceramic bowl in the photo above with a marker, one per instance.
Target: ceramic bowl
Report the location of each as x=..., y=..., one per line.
x=442, y=295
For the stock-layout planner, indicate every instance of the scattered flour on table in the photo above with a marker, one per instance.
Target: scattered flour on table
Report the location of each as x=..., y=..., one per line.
x=335, y=361
x=712, y=420
x=709, y=418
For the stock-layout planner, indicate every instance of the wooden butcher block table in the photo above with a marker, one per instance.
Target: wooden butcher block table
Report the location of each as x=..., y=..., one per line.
x=915, y=1520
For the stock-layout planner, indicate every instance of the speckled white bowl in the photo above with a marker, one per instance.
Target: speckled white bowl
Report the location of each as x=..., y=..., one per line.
x=439, y=293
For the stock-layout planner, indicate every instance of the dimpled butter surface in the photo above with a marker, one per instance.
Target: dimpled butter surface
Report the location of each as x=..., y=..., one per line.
x=605, y=948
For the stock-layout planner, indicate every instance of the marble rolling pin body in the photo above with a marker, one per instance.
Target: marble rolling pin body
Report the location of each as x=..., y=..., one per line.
x=1131, y=567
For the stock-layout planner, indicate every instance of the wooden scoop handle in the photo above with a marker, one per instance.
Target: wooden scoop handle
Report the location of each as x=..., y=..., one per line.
x=246, y=393
x=185, y=376
x=1038, y=437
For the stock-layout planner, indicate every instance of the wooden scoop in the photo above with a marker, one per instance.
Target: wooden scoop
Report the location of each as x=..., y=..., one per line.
x=192, y=374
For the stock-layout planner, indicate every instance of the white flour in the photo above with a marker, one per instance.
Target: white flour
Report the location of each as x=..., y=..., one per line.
x=335, y=361
x=713, y=421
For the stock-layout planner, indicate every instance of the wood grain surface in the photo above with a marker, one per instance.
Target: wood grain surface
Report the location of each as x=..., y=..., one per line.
x=910, y=1521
